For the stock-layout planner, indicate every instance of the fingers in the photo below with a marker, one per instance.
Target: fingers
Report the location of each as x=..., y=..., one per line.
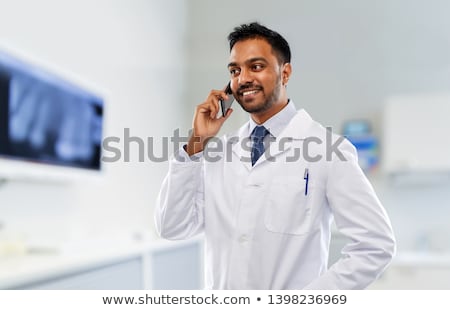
x=208, y=109
x=212, y=105
x=230, y=110
x=227, y=115
x=206, y=124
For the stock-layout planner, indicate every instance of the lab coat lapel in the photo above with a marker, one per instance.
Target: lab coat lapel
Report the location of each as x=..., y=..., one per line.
x=241, y=146
x=296, y=130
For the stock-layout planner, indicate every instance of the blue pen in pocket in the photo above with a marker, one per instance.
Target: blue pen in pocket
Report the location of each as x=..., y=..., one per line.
x=306, y=178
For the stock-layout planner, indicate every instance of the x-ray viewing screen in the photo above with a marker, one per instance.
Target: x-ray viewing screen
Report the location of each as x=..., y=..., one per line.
x=46, y=119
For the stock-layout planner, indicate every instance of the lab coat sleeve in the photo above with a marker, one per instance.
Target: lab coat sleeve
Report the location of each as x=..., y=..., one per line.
x=179, y=206
x=359, y=216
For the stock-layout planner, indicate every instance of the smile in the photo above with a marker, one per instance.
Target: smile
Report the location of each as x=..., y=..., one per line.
x=250, y=92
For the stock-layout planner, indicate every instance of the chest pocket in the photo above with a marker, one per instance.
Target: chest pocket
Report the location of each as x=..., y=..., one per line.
x=288, y=209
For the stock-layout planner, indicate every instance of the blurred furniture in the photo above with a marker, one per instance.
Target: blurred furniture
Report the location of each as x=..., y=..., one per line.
x=416, y=271
x=416, y=135
x=109, y=266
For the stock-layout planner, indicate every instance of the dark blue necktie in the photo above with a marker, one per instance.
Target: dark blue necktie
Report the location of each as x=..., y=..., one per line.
x=257, y=137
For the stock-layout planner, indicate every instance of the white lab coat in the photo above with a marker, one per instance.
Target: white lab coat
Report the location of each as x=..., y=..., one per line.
x=261, y=230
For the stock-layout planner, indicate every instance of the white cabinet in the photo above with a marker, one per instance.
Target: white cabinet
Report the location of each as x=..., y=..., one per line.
x=415, y=278
x=178, y=268
x=416, y=271
x=152, y=265
x=416, y=129
x=116, y=276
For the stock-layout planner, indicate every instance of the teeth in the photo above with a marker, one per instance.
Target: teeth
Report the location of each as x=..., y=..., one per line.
x=249, y=92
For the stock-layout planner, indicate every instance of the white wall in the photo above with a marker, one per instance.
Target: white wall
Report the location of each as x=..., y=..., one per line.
x=348, y=57
x=158, y=59
x=135, y=51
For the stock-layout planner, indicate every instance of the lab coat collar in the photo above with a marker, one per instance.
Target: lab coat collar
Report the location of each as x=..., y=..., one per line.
x=297, y=129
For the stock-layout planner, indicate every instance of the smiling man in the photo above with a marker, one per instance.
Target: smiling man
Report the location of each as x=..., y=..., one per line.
x=259, y=77
x=265, y=211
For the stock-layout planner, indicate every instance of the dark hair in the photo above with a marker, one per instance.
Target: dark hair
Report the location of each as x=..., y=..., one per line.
x=255, y=30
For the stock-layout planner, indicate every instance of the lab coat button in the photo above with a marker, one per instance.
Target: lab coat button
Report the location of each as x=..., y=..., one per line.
x=254, y=185
x=243, y=238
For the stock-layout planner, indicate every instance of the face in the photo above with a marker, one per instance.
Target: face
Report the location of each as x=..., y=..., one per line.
x=257, y=78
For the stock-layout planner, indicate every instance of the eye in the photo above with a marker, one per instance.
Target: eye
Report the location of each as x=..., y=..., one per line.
x=234, y=71
x=257, y=67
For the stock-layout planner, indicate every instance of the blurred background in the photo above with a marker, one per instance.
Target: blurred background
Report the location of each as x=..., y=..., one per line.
x=376, y=71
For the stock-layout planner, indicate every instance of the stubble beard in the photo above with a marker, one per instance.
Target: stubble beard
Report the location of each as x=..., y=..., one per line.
x=268, y=103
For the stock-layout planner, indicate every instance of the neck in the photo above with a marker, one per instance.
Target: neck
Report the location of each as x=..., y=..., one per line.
x=261, y=117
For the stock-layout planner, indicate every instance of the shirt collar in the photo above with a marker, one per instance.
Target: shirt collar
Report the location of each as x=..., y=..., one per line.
x=278, y=122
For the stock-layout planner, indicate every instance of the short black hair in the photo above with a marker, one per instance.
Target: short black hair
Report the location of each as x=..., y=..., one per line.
x=255, y=30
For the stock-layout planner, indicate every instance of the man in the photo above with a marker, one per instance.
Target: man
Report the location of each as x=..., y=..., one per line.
x=266, y=195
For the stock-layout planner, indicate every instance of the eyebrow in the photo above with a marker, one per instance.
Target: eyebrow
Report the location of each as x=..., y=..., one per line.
x=248, y=61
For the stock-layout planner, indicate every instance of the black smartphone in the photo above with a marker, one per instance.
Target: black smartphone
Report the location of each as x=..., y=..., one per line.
x=226, y=104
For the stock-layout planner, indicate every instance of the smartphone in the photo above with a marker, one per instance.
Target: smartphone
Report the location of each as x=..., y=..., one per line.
x=226, y=104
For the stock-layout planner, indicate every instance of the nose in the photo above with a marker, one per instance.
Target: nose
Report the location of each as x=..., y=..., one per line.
x=245, y=77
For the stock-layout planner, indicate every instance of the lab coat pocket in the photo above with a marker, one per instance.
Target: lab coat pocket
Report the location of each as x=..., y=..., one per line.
x=288, y=209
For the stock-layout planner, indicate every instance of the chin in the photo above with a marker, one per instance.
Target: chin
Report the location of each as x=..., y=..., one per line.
x=256, y=108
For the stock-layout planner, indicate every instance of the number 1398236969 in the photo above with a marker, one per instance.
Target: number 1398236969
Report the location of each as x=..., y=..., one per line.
x=307, y=299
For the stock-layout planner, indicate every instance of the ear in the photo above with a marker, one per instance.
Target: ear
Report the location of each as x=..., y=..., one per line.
x=286, y=73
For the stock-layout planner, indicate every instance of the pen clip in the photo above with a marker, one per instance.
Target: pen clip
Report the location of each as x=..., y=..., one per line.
x=306, y=178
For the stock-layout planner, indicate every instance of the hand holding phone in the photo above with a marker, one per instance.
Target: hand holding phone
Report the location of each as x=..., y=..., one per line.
x=207, y=122
x=226, y=104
